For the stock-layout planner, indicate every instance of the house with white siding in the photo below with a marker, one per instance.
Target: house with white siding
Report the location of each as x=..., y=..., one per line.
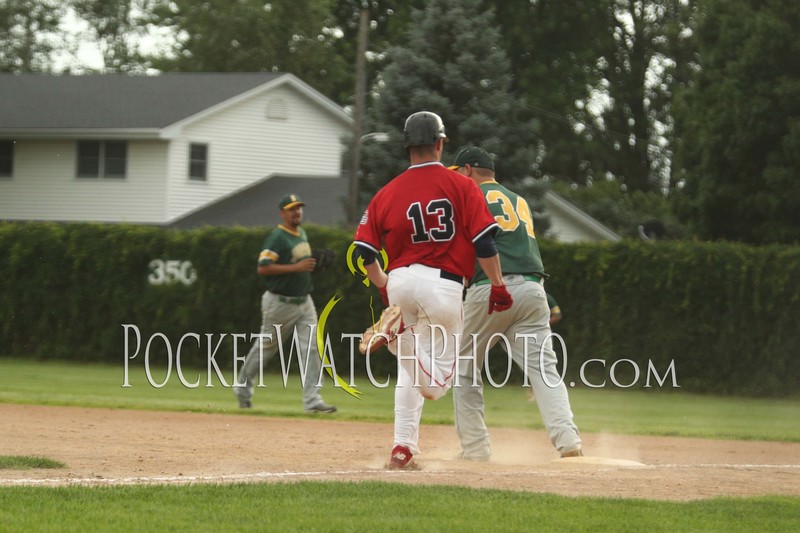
x=568, y=223
x=184, y=150
x=172, y=149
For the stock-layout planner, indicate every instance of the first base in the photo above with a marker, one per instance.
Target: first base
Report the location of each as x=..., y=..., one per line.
x=599, y=461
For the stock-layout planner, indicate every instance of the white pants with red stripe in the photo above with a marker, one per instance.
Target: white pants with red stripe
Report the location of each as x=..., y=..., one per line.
x=426, y=350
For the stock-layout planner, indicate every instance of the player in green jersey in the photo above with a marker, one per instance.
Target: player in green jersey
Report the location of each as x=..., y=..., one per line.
x=525, y=326
x=286, y=309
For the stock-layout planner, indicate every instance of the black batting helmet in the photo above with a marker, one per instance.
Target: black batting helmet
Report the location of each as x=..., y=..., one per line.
x=423, y=127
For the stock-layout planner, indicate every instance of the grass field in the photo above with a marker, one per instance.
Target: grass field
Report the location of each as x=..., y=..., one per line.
x=371, y=506
x=622, y=411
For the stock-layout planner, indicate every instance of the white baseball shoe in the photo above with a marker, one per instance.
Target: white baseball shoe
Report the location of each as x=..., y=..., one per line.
x=390, y=324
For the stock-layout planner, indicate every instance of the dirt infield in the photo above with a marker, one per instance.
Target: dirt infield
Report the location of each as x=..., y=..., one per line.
x=107, y=447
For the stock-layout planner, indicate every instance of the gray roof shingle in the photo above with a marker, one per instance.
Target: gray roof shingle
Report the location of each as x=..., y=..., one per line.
x=257, y=205
x=109, y=101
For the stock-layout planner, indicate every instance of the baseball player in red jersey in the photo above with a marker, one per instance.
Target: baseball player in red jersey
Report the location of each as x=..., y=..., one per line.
x=432, y=222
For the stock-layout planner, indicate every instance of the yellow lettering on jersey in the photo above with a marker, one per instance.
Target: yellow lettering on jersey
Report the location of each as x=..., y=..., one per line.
x=509, y=220
x=524, y=213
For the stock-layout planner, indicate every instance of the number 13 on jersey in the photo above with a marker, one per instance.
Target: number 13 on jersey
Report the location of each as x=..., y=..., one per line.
x=442, y=211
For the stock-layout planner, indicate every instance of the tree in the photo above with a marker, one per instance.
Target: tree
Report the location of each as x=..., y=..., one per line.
x=643, y=62
x=628, y=213
x=619, y=60
x=28, y=34
x=253, y=36
x=115, y=23
x=739, y=125
x=552, y=46
x=388, y=20
x=363, y=25
x=452, y=64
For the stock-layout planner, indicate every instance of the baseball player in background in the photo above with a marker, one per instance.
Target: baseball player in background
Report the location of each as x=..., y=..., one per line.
x=523, y=274
x=555, y=310
x=286, y=262
x=432, y=222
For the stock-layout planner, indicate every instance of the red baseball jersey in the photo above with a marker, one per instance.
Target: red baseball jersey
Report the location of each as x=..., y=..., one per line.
x=428, y=215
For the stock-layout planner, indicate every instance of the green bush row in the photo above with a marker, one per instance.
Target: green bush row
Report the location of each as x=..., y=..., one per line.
x=721, y=317
x=727, y=315
x=68, y=289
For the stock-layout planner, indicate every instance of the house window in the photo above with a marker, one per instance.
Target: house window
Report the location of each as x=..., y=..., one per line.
x=6, y=159
x=106, y=159
x=198, y=161
x=116, y=154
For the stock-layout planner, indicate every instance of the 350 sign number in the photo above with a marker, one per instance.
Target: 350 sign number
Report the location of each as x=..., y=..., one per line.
x=171, y=271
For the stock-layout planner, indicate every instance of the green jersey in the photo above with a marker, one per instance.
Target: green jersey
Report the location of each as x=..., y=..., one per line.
x=516, y=240
x=283, y=247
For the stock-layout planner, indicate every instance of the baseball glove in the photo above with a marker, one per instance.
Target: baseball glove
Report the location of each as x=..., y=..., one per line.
x=325, y=258
x=384, y=331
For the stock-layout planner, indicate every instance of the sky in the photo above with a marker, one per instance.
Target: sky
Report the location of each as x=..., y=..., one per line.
x=87, y=54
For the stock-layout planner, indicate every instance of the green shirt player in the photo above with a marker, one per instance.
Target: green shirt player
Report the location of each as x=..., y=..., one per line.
x=286, y=308
x=525, y=326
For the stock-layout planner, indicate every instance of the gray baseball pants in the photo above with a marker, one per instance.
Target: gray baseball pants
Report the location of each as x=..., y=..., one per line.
x=528, y=316
x=291, y=317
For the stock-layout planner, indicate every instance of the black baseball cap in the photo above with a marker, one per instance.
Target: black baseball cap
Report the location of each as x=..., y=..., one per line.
x=474, y=157
x=289, y=201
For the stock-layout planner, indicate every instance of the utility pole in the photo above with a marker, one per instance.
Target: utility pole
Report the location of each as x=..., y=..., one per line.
x=358, y=115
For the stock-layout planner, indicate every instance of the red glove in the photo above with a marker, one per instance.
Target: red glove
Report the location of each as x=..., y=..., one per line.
x=384, y=295
x=499, y=299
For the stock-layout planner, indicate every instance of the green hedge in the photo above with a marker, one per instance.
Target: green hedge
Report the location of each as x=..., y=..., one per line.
x=67, y=289
x=728, y=315
x=725, y=315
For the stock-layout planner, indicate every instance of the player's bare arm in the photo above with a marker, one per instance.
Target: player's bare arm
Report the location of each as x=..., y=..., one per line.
x=491, y=266
x=376, y=274
x=489, y=260
x=499, y=298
